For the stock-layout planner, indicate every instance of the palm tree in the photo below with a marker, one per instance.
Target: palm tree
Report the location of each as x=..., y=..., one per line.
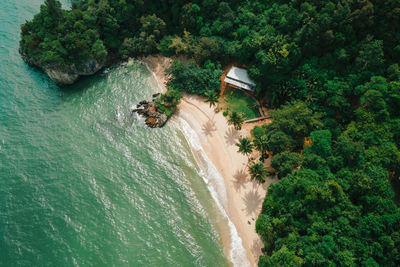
x=245, y=146
x=212, y=98
x=258, y=172
x=236, y=119
x=261, y=144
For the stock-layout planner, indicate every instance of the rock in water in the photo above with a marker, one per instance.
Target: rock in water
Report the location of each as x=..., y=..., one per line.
x=158, y=121
x=155, y=117
x=152, y=122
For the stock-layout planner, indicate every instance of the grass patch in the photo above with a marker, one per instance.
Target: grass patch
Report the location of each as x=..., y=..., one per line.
x=238, y=101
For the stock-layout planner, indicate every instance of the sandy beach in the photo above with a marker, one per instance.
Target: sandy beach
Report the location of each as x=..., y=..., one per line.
x=243, y=197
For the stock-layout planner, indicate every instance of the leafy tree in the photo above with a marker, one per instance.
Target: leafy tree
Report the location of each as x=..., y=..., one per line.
x=190, y=18
x=371, y=56
x=278, y=141
x=56, y=37
x=321, y=143
x=285, y=162
x=268, y=139
x=352, y=151
x=107, y=23
x=283, y=257
x=151, y=32
x=168, y=101
x=296, y=120
x=98, y=50
x=224, y=23
x=393, y=72
x=171, y=97
x=194, y=79
x=54, y=8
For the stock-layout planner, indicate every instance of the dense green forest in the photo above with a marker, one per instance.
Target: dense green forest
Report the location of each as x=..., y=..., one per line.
x=328, y=68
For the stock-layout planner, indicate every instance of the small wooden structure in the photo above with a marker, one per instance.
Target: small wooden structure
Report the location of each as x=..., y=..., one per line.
x=238, y=78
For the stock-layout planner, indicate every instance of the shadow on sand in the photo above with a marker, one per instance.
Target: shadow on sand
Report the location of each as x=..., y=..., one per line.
x=231, y=136
x=252, y=200
x=239, y=179
x=209, y=127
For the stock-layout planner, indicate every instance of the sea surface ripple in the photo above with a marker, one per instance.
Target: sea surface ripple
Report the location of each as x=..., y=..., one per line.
x=83, y=182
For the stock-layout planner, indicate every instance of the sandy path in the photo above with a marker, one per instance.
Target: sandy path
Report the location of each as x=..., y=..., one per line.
x=243, y=197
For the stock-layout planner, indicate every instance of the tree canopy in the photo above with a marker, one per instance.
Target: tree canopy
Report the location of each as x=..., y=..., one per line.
x=336, y=208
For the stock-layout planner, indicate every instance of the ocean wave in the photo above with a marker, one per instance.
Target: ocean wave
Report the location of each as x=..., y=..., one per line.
x=216, y=186
x=159, y=86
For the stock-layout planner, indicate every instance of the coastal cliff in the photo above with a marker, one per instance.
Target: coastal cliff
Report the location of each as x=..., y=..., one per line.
x=67, y=74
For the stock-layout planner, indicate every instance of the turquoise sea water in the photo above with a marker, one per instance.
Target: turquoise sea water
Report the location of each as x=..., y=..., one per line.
x=83, y=182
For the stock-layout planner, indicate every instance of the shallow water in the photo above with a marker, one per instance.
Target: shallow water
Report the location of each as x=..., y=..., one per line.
x=83, y=181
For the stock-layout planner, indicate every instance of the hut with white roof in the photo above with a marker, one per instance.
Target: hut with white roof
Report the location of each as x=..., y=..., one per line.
x=238, y=78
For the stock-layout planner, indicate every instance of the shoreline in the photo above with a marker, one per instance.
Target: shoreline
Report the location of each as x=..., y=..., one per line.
x=156, y=65
x=240, y=198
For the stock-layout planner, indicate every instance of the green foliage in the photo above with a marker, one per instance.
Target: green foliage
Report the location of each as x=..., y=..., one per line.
x=278, y=141
x=320, y=222
x=56, y=36
x=245, y=146
x=146, y=42
x=393, y=72
x=268, y=139
x=211, y=98
x=337, y=209
x=171, y=97
x=285, y=162
x=261, y=144
x=321, y=143
x=292, y=49
x=283, y=257
x=189, y=17
x=371, y=57
x=296, y=120
x=258, y=172
x=168, y=101
x=236, y=119
x=194, y=79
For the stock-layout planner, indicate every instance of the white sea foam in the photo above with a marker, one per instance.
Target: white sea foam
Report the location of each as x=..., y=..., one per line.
x=216, y=185
x=160, y=87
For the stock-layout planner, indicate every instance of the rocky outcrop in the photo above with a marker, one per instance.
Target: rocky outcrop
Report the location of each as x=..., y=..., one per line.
x=154, y=116
x=70, y=73
x=60, y=75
